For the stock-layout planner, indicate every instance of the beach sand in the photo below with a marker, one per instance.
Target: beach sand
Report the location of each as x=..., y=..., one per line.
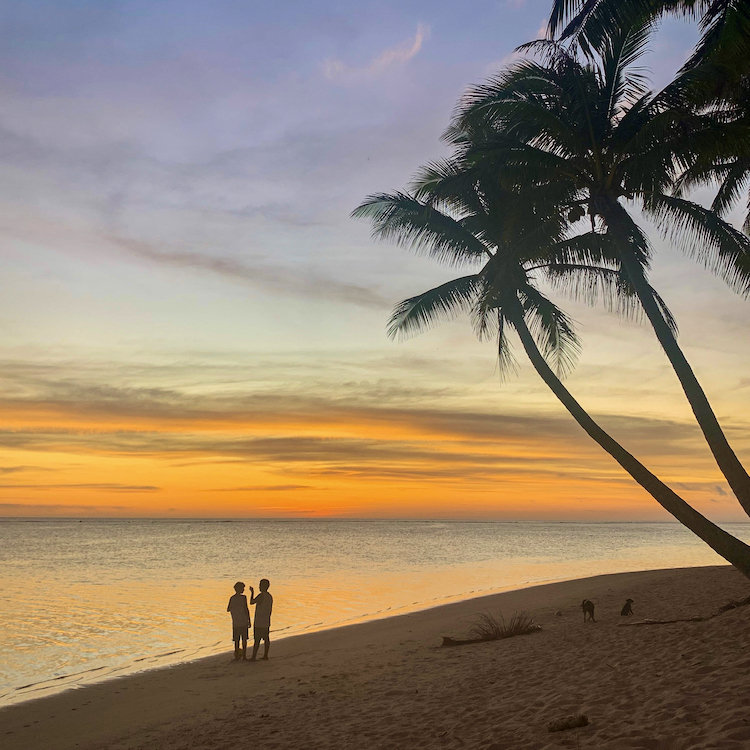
x=388, y=684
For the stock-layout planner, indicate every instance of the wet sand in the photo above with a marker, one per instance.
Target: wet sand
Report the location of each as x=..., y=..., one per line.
x=388, y=684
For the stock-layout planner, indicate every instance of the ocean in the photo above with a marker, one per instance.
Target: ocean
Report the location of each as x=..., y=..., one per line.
x=82, y=600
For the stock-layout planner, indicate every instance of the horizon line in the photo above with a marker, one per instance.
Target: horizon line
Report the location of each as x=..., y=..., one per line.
x=345, y=519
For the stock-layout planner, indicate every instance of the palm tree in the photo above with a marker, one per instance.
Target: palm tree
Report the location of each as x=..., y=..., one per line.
x=509, y=239
x=591, y=128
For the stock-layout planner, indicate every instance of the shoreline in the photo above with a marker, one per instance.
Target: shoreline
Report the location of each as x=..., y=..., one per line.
x=58, y=684
x=387, y=666
x=55, y=685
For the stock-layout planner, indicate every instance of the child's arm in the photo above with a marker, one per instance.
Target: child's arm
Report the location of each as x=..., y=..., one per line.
x=229, y=606
x=255, y=599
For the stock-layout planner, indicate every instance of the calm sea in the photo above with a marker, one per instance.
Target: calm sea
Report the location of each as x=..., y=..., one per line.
x=83, y=600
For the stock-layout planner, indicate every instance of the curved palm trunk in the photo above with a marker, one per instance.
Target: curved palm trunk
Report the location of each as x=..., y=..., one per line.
x=725, y=457
x=730, y=548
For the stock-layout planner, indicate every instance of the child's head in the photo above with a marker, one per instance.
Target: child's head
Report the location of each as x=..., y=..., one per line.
x=264, y=584
x=239, y=587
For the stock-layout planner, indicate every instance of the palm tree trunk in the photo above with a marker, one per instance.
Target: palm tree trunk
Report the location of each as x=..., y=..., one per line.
x=730, y=548
x=725, y=457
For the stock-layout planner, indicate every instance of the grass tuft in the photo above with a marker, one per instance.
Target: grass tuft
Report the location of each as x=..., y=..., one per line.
x=489, y=628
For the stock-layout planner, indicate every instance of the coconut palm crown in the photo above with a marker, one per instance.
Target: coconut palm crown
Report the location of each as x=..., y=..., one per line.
x=509, y=240
x=590, y=128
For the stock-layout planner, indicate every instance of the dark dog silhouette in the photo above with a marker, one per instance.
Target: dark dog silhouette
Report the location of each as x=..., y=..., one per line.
x=588, y=610
x=628, y=608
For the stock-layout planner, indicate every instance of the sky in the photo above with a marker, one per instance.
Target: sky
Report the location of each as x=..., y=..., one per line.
x=192, y=325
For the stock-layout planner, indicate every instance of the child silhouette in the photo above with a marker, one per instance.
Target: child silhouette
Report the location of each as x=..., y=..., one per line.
x=263, y=606
x=240, y=620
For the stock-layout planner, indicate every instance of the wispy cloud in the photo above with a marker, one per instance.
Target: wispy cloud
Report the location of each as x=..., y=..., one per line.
x=264, y=488
x=294, y=281
x=97, y=486
x=337, y=70
x=18, y=469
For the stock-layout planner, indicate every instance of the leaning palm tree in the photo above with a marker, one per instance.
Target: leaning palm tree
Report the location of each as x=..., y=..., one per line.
x=509, y=240
x=608, y=145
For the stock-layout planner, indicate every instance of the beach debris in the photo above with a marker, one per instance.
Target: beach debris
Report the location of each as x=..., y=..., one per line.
x=558, y=613
x=732, y=604
x=568, y=722
x=664, y=622
x=488, y=628
x=728, y=607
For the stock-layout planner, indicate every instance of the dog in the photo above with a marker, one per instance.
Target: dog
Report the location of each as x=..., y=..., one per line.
x=628, y=608
x=588, y=610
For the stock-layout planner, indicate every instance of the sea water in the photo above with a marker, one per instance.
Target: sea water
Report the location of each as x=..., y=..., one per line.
x=86, y=599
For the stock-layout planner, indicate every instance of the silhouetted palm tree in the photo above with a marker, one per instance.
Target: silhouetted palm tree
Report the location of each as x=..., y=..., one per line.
x=509, y=239
x=593, y=128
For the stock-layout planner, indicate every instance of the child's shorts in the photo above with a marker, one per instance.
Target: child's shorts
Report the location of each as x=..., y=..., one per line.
x=239, y=632
x=260, y=633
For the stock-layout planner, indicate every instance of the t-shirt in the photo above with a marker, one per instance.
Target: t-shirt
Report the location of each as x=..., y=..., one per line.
x=263, y=607
x=239, y=610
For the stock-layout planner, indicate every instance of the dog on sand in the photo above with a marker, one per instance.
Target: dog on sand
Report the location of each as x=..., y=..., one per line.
x=628, y=608
x=588, y=610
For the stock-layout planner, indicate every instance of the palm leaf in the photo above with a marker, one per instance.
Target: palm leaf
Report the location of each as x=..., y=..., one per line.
x=402, y=218
x=445, y=302
x=703, y=235
x=552, y=329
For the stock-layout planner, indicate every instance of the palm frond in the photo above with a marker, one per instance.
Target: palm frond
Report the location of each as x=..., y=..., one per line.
x=587, y=249
x=611, y=288
x=517, y=103
x=506, y=362
x=552, y=329
x=732, y=185
x=450, y=183
x=725, y=39
x=416, y=314
x=624, y=83
x=594, y=286
x=420, y=227
x=704, y=236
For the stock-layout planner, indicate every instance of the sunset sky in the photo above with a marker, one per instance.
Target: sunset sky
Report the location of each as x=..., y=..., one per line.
x=192, y=325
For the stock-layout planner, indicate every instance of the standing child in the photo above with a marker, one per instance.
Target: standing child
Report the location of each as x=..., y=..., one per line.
x=263, y=606
x=240, y=620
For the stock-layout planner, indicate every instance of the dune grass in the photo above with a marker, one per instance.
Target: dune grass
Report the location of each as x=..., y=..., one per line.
x=489, y=628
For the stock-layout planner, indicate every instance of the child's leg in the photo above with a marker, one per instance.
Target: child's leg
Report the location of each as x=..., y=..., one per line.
x=256, y=646
x=236, y=647
x=244, y=646
x=266, y=646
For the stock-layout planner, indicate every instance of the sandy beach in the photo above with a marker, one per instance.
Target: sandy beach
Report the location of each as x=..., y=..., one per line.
x=389, y=684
